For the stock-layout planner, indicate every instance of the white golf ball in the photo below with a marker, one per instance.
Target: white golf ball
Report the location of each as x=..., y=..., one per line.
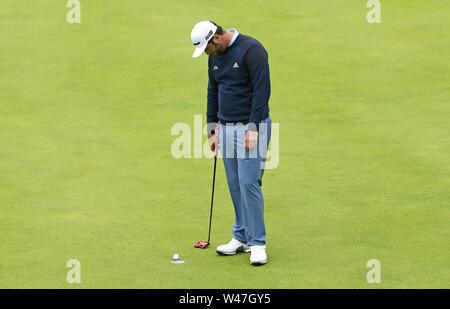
x=176, y=256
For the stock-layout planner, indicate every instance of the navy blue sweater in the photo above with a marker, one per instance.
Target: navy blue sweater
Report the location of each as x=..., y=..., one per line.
x=239, y=84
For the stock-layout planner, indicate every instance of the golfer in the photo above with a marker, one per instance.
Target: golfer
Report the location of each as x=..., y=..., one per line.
x=238, y=121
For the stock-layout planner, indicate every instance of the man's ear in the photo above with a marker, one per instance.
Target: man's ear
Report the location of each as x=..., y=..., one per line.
x=218, y=38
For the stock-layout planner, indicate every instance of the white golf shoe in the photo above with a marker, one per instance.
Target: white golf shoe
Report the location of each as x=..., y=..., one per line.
x=258, y=255
x=233, y=247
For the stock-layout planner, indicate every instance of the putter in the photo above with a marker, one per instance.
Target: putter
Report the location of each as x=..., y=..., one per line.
x=205, y=244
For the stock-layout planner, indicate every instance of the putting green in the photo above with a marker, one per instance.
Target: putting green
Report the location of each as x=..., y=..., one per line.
x=86, y=170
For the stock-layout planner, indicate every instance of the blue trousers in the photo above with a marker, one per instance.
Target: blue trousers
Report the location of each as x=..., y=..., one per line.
x=244, y=170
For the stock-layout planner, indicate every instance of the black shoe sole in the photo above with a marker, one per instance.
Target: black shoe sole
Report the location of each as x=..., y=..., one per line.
x=258, y=264
x=225, y=254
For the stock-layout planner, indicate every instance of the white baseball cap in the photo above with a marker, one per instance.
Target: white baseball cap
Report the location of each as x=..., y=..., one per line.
x=200, y=35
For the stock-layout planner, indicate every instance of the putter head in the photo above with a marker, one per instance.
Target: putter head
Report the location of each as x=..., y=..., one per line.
x=202, y=245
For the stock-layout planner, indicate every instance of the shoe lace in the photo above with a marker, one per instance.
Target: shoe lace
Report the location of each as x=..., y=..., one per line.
x=258, y=249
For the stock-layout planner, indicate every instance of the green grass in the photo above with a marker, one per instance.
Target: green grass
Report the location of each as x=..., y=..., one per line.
x=86, y=170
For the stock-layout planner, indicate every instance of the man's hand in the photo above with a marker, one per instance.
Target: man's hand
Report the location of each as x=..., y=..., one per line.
x=251, y=139
x=213, y=140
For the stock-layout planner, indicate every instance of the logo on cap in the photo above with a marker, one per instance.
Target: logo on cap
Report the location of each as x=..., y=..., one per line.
x=208, y=35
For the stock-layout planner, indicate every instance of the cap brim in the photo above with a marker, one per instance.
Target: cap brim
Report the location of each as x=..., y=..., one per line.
x=199, y=50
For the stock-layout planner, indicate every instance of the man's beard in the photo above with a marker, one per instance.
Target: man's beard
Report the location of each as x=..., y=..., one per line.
x=220, y=50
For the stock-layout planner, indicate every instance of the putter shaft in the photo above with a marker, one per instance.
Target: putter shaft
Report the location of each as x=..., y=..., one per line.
x=212, y=198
